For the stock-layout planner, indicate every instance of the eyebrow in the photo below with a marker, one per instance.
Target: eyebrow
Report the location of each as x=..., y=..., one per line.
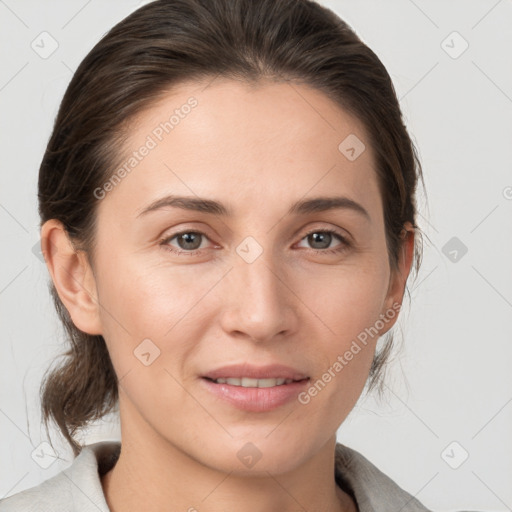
x=303, y=207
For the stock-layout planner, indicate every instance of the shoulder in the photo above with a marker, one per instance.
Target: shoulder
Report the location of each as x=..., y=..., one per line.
x=76, y=488
x=373, y=490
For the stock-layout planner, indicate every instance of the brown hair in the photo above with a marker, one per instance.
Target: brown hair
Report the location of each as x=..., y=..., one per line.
x=171, y=41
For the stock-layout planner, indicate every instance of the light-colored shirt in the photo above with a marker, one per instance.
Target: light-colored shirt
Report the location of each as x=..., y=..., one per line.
x=78, y=487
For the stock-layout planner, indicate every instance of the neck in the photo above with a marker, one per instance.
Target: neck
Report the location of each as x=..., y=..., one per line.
x=154, y=475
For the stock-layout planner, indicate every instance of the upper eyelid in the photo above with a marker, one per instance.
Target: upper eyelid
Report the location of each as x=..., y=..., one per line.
x=326, y=226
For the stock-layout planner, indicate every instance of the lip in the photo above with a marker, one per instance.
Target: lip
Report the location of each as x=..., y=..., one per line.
x=255, y=399
x=272, y=371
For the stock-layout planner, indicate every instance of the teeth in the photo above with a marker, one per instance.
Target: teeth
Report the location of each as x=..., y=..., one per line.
x=247, y=382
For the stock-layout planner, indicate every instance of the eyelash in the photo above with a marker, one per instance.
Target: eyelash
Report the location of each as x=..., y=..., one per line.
x=344, y=246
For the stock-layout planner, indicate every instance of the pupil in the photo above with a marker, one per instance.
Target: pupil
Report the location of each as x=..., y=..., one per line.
x=188, y=238
x=320, y=237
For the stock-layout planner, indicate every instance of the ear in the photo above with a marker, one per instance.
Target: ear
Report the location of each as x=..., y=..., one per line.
x=398, y=278
x=72, y=276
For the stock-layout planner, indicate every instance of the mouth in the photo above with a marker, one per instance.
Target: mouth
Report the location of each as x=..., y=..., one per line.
x=255, y=389
x=247, y=382
x=249, y=374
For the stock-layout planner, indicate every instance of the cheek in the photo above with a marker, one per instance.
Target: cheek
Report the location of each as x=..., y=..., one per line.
x=150, y=327
x=152, y=299
x=164, y=303
x=167, y=302
x=348, y=299
x=146, y=297
x=347, y=310
x=344, y=354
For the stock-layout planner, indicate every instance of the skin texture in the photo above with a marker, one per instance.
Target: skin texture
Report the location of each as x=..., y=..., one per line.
x=257, y=150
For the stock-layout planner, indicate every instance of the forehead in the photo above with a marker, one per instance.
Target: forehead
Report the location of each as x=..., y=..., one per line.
x=232, y=139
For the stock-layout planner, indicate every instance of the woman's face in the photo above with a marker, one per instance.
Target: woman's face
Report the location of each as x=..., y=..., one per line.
x=254, y=279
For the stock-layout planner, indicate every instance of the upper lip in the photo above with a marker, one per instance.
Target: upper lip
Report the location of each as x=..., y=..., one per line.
x=272, y=371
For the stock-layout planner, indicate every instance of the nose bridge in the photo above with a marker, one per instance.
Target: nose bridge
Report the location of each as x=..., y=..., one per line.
x=258, y=302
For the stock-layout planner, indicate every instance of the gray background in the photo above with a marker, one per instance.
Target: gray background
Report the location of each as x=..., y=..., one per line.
x=451, y=380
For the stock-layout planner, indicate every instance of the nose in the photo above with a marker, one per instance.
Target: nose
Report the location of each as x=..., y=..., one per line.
x=259, y=304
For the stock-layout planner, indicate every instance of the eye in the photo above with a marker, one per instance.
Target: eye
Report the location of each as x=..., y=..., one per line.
x=323, y=238
x=189, y=242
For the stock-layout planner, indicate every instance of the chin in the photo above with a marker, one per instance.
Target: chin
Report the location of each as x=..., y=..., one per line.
x=258, y=455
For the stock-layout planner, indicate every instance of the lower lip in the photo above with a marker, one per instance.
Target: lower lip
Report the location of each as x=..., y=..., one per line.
x=256, y=399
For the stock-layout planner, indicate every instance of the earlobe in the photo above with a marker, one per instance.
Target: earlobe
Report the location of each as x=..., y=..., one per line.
x=72, y=276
